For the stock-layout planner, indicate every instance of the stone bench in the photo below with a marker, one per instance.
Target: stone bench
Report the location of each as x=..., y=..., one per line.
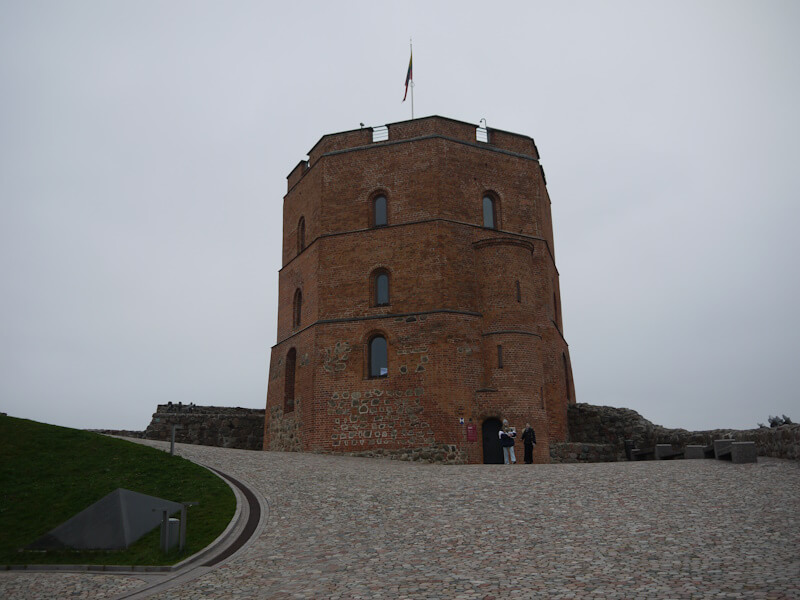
x=659, y=452
x=728, y=449
x=744, y=452
x=665, y=452
x=722, y=449
x=698, y=451
x=736, y=452
x=634, y=453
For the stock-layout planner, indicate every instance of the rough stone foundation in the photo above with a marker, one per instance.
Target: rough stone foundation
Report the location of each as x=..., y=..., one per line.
x=447, y=454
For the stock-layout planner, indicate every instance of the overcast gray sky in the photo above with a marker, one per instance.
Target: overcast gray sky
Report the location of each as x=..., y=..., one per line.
x=144, y=148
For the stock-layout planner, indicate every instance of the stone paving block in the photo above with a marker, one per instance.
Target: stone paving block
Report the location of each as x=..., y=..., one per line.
x=744, y=452
x=722, y=449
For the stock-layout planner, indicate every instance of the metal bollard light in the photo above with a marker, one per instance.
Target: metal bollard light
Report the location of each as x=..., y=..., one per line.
x=184, y=517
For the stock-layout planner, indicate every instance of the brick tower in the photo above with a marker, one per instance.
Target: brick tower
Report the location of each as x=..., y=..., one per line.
x=419, y=301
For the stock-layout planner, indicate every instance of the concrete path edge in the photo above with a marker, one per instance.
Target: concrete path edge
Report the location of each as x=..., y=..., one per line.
x=253, y=519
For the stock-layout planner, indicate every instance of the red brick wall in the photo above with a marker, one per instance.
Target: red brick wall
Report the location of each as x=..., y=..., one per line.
x=339, y=141
x=453, y=297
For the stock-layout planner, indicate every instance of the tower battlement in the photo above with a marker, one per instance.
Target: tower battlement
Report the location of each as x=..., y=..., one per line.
x=404, y=131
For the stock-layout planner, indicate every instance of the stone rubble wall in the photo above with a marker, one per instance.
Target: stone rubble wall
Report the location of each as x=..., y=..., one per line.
x=447, y=454
x=222, y=426
x=610, y=426
x=571, y=452
x=284, y=430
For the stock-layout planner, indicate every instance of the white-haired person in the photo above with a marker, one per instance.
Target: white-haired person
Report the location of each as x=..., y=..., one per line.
x=507, y=435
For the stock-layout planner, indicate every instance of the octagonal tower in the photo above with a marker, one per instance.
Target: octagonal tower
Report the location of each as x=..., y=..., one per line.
x=419, y=303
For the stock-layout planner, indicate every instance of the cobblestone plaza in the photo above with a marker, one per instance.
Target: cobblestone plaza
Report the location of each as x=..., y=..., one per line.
x=345, y=527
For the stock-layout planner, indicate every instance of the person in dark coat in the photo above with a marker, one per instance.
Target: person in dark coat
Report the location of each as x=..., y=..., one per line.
x=529, y=440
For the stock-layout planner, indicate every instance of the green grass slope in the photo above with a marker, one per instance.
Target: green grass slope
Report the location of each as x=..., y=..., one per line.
x=48, y=474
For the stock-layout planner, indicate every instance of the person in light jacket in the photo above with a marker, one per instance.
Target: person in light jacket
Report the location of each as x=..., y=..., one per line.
x=529, y=441
x=507, y=435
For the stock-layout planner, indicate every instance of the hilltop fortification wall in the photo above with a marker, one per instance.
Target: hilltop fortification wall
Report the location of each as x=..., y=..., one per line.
x=597, y=434
x=223, y=426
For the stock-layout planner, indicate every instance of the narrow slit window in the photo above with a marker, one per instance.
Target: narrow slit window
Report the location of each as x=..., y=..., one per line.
x=301, y=235
x=379, y=211
x=382, y=289
x=288, y=388
x=298, y=308
x=378, y=357
x=499, y=357
x=519, y=292
x=555, y=307
x=488, y=213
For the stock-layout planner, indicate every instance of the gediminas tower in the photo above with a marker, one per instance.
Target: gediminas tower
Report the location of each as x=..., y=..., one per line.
x=419, y=300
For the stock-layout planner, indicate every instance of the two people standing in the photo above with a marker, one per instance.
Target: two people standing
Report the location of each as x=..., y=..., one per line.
x=507, y=435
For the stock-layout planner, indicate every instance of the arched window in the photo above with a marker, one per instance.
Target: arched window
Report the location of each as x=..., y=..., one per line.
x=380, y=288
x=301, y=235
x=489, y=213
x=288, y=385
x=379, y=211
x=298, y=308
x=519, y=292
x=378, y=357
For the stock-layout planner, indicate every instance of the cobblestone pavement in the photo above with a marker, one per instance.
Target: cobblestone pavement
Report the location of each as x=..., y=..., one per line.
x=342, y=527
x=15, y=585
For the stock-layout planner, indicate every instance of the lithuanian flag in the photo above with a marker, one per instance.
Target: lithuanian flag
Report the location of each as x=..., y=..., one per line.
x=409, y=75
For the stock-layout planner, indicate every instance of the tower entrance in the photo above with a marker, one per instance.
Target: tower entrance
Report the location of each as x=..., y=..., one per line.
x=492, y=451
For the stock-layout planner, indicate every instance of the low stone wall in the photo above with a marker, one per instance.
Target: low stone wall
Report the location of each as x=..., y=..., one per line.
x=589, y=424
x=596, y=434
x=572, y=452
x=222, y=426
x=446, y=454
x=119, y=432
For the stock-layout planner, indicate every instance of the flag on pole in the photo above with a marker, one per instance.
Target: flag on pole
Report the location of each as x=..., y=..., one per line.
x=409, y=75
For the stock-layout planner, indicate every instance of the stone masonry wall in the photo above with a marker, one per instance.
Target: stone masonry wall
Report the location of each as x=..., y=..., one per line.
x=222, y=426
x=608, y=427
x=572, y=452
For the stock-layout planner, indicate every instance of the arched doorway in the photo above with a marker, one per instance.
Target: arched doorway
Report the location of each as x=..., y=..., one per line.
x=492, y=451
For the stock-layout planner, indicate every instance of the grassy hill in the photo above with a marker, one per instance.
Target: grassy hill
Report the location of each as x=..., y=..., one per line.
x=48, y=474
